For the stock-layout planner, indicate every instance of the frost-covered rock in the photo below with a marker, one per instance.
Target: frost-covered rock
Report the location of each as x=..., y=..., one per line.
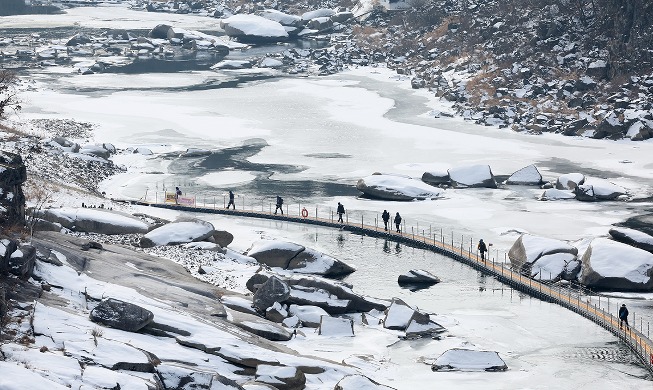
x=253, y=28
x=259, y=326
x=529, y=175
x=273, y=290
x=334, y=297
x=390, y=187
x=436, y=178
x=633, y=237
x=181, y=231
x=96, y=220
x=121, y=315
x=598, y=190
x=183, y=378
x=555, y=194
x=283, y=378
x=287, y=255
x=469, y=360
x=399, y=315
x=332, y=326
x=359, y=382
x=418, y=276
x=281, y=17
x=556, y=266
x=310, y=316
x=570, y=181
x=613, y=265
x=472, y=176
x=527, y=249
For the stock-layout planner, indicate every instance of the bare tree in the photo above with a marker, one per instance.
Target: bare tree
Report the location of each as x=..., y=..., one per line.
x=8, y=95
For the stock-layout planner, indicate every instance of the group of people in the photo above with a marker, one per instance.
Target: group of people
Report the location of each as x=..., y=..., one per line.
x=385, y=216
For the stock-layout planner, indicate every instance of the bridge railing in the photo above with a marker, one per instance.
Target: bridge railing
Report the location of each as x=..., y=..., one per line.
x=590, y=304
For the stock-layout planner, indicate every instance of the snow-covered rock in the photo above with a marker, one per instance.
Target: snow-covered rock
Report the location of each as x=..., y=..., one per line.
x=182, y=378
x=259, y=326
x=253, y=28
x=281, y=377
x=282, y=18
x=469, y=360
x=569, y=181
x=472, y=176
x=527, y=249
x=121, y=315
x=241, y=304
x=360, y=382
x=633, y=237
x=418, y=276
x=21, y=261
x=555, y=194
x=310, y=316
x=269, y=62
x=319, y=13
x=273, y=290
x=276, y=313
x=95, y=220
x=399, y=315
x=596, y=189
x=529, y=175
x=232, y=64
x=613, y=265
x=436, y=178
x=181, y=231
x=332, y=326
x=556, y=266
x=390, y=187
x=287, y=255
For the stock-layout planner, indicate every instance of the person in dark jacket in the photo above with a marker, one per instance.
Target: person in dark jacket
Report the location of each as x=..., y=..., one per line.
x=231, y=200
x=398, y=222
x=177, y=195
x=279, y=205
x=623, y=316
x=340, y=210
x=482, y=248
x=386, y=218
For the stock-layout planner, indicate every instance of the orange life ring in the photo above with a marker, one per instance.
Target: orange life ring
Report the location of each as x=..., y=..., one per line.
x=304, y=212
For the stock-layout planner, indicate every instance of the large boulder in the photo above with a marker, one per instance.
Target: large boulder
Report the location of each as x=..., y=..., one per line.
x=281, y=377
x=334, y=297
x=469, y=360
x=121, y=315
x=436, y=178
x=96, y=220
x=555, y=267
x=633, y=237
x=310, y=261
x=570, y=181
x=274, y=253
x=418, y=276
x=273, y=290
x=359, y=382
x=598, y=190
x=472, y=176
x=222, y=238
x=529, y=175
x=21, y=261
x=309, y=316
x=612, y=265
x=527, y=249
x=161, y=31
x=182, y=231
x=282, y=18
x=253, y=29
x=391, y=187
x=400, y=314
x=287, y=255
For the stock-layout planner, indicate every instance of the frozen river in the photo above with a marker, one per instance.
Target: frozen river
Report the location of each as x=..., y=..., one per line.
x=310, y=139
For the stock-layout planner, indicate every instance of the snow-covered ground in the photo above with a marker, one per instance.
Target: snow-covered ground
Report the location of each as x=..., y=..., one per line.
x=372, y=121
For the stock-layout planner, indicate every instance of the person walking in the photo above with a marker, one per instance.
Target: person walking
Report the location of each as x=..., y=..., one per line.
x=279, y=205
x=386, y=218
x=340, y=210
x=231, y=200
x=177, y=195
x=623, y=316
x=482, y=248
x=398, y=222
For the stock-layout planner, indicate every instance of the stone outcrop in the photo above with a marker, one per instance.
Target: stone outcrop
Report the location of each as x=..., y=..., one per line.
x=13, y=174
x=121, y=315
x=611, y=265
x=527, y=249
x=633, y=237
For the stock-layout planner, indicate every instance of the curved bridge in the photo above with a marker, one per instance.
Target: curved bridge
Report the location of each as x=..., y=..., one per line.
x=574, y=298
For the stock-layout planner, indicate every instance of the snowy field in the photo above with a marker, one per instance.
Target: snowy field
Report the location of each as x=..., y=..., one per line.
x=369, y=120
